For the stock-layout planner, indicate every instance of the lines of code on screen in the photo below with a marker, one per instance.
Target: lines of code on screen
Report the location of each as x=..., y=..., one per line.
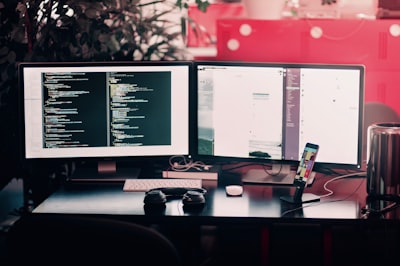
x=97, y=109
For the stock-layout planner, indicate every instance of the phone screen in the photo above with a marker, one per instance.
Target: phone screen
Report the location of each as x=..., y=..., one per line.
x=306, y=162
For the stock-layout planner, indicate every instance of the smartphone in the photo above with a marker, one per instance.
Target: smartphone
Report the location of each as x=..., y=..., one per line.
x=306, y=163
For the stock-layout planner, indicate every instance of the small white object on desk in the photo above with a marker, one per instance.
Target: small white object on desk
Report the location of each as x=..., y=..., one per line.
x=234, y=190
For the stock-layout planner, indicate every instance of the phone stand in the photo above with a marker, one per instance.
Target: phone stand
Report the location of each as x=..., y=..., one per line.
x=299, y=197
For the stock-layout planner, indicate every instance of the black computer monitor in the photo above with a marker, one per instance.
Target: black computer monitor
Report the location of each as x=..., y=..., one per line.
x=267, y=112
x=105, y=112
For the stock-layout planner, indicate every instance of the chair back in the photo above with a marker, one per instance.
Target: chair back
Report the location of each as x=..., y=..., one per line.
x=69, y=239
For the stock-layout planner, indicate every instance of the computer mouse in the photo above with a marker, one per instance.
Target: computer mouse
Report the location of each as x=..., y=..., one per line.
x=234, y=190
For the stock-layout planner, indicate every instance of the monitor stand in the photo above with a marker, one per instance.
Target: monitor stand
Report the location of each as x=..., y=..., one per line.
x=104, y=171
x=280, y=174
x=299, y=197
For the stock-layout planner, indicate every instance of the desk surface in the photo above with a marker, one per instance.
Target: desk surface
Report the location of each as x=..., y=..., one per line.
x=257, y=204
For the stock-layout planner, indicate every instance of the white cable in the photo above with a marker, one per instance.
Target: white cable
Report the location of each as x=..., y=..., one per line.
x=330, y=192
x=326, y=195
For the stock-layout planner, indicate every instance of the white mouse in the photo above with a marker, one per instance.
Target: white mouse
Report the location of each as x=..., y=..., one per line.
x=234, y=190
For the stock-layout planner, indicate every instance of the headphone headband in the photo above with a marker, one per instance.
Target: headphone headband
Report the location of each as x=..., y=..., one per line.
x=177, y=191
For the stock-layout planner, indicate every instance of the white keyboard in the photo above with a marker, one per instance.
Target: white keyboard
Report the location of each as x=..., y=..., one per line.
x=133, y=185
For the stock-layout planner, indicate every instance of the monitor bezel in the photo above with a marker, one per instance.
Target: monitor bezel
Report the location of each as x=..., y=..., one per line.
x=253, y=160
x=95, y=159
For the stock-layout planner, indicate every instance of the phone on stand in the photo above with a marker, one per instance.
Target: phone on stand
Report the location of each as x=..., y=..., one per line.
x=303, y=173
x=306, y=164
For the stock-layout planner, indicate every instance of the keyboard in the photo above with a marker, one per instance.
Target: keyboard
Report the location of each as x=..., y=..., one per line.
x=137, y=185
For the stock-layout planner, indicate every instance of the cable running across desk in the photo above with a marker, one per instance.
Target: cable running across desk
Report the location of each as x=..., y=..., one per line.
x=137, y=185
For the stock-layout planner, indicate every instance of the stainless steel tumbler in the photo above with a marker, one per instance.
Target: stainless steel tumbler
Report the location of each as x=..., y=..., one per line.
x=383, y=161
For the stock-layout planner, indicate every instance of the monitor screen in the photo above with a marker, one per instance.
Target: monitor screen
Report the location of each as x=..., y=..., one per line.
x=267, y=112
x=105, y=109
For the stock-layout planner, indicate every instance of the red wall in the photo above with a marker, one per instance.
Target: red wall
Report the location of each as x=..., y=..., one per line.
x=373, y=43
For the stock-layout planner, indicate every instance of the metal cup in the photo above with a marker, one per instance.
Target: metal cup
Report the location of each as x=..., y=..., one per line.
x=383, y=159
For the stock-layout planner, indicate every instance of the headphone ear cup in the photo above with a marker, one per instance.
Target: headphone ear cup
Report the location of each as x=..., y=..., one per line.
x=155, y=197
x=193, y=198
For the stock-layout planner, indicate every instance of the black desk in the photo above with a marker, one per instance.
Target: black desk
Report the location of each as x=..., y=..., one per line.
x=259, y=215
x=258, y=204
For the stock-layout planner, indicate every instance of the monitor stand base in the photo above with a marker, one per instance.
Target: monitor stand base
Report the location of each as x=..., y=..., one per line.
x=306, y=198
x=299, y=197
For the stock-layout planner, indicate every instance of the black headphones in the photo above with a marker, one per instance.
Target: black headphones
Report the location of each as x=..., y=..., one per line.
x=191, y=197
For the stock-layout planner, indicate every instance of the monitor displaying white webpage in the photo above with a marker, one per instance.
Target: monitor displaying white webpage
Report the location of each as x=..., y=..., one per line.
x=271, y=111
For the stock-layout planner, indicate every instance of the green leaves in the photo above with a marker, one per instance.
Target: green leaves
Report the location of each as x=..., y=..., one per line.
x=202, y=5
